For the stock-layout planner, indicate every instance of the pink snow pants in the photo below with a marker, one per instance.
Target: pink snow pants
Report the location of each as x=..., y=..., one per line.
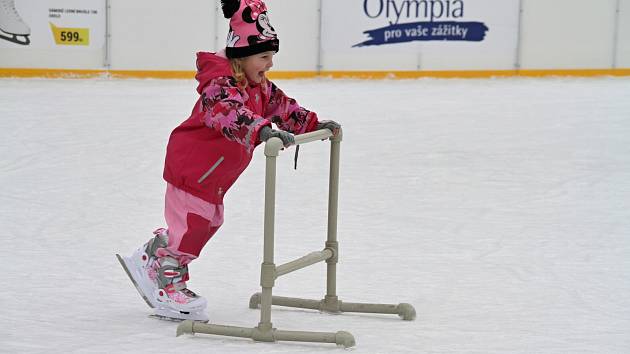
x=191, y=223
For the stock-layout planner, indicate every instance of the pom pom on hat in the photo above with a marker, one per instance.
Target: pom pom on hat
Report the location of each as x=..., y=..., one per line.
x=230, y=7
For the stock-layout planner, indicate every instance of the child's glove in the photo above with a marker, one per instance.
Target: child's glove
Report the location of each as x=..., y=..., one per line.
x=330, y=125
x=266, y=132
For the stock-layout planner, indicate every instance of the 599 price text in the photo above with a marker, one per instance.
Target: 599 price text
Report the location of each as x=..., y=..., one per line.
x=67, y=36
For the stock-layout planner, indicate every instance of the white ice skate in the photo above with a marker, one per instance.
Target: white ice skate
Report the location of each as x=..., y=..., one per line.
x=160, y=282
x=12, y=27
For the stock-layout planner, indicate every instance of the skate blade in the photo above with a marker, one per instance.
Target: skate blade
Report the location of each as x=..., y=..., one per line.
x=166, y=318
x=135, y=284
x=173, y=319
x=167, y=315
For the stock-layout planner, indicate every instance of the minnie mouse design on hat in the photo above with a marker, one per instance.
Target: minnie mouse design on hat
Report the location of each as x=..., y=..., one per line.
x=250, y=31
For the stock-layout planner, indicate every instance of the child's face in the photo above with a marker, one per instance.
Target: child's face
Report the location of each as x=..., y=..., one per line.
x=256, y=65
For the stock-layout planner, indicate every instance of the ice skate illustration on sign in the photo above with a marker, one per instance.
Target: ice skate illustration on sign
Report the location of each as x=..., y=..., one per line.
x=12, y=27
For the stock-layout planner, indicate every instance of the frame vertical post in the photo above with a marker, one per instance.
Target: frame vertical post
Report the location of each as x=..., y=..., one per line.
x=331, y=302
x=268, y=268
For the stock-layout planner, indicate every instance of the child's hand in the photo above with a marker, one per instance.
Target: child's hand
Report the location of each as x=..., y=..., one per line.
x=287, y=138
x=330, y=125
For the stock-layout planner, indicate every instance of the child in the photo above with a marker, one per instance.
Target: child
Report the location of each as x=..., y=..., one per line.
x=208, y=151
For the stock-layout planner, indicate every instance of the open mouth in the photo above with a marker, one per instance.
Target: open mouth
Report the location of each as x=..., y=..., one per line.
x=258, y=76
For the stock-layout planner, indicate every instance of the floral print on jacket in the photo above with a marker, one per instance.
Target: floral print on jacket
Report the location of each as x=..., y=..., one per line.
x=231, y=110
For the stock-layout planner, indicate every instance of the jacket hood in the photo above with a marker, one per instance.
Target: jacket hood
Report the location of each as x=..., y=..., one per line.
x=210, y=66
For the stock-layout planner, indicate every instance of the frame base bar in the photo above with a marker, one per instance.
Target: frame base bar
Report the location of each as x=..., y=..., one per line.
x=406, y=311
x=269, y=335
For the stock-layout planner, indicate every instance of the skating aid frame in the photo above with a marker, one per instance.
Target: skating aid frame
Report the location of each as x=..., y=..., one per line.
x=270, y=272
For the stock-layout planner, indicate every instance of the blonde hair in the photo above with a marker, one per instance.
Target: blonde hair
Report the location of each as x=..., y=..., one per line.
x=239, y=73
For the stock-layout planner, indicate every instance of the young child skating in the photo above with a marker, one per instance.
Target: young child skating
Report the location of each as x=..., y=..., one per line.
x=209, y=151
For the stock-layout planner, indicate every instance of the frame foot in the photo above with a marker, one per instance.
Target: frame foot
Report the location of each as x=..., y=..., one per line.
x=342, y=338
x=406, y=312
x=334, y=305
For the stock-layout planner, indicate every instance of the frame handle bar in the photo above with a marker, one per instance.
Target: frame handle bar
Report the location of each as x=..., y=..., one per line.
x=274, y=145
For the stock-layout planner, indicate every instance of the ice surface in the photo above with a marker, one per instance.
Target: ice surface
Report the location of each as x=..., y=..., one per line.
x=499, y=208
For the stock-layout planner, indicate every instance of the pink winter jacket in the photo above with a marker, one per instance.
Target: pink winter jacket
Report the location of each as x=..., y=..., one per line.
x=208, y=151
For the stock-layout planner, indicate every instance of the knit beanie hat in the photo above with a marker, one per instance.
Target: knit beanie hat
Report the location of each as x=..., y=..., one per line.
x=250, y=31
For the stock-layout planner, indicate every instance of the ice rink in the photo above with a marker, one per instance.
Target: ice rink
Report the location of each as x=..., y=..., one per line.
x=499, y=208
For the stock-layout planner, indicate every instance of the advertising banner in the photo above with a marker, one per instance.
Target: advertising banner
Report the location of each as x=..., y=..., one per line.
x=461, y=28
x=47, y=24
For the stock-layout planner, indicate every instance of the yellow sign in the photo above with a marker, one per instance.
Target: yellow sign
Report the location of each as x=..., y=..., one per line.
x=70, y=36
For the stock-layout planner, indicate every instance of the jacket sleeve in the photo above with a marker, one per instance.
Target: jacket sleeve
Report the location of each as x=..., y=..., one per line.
x=223, y=104
x=287, y=114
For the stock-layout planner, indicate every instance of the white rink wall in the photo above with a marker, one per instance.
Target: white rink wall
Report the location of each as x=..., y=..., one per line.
x=318, y=35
